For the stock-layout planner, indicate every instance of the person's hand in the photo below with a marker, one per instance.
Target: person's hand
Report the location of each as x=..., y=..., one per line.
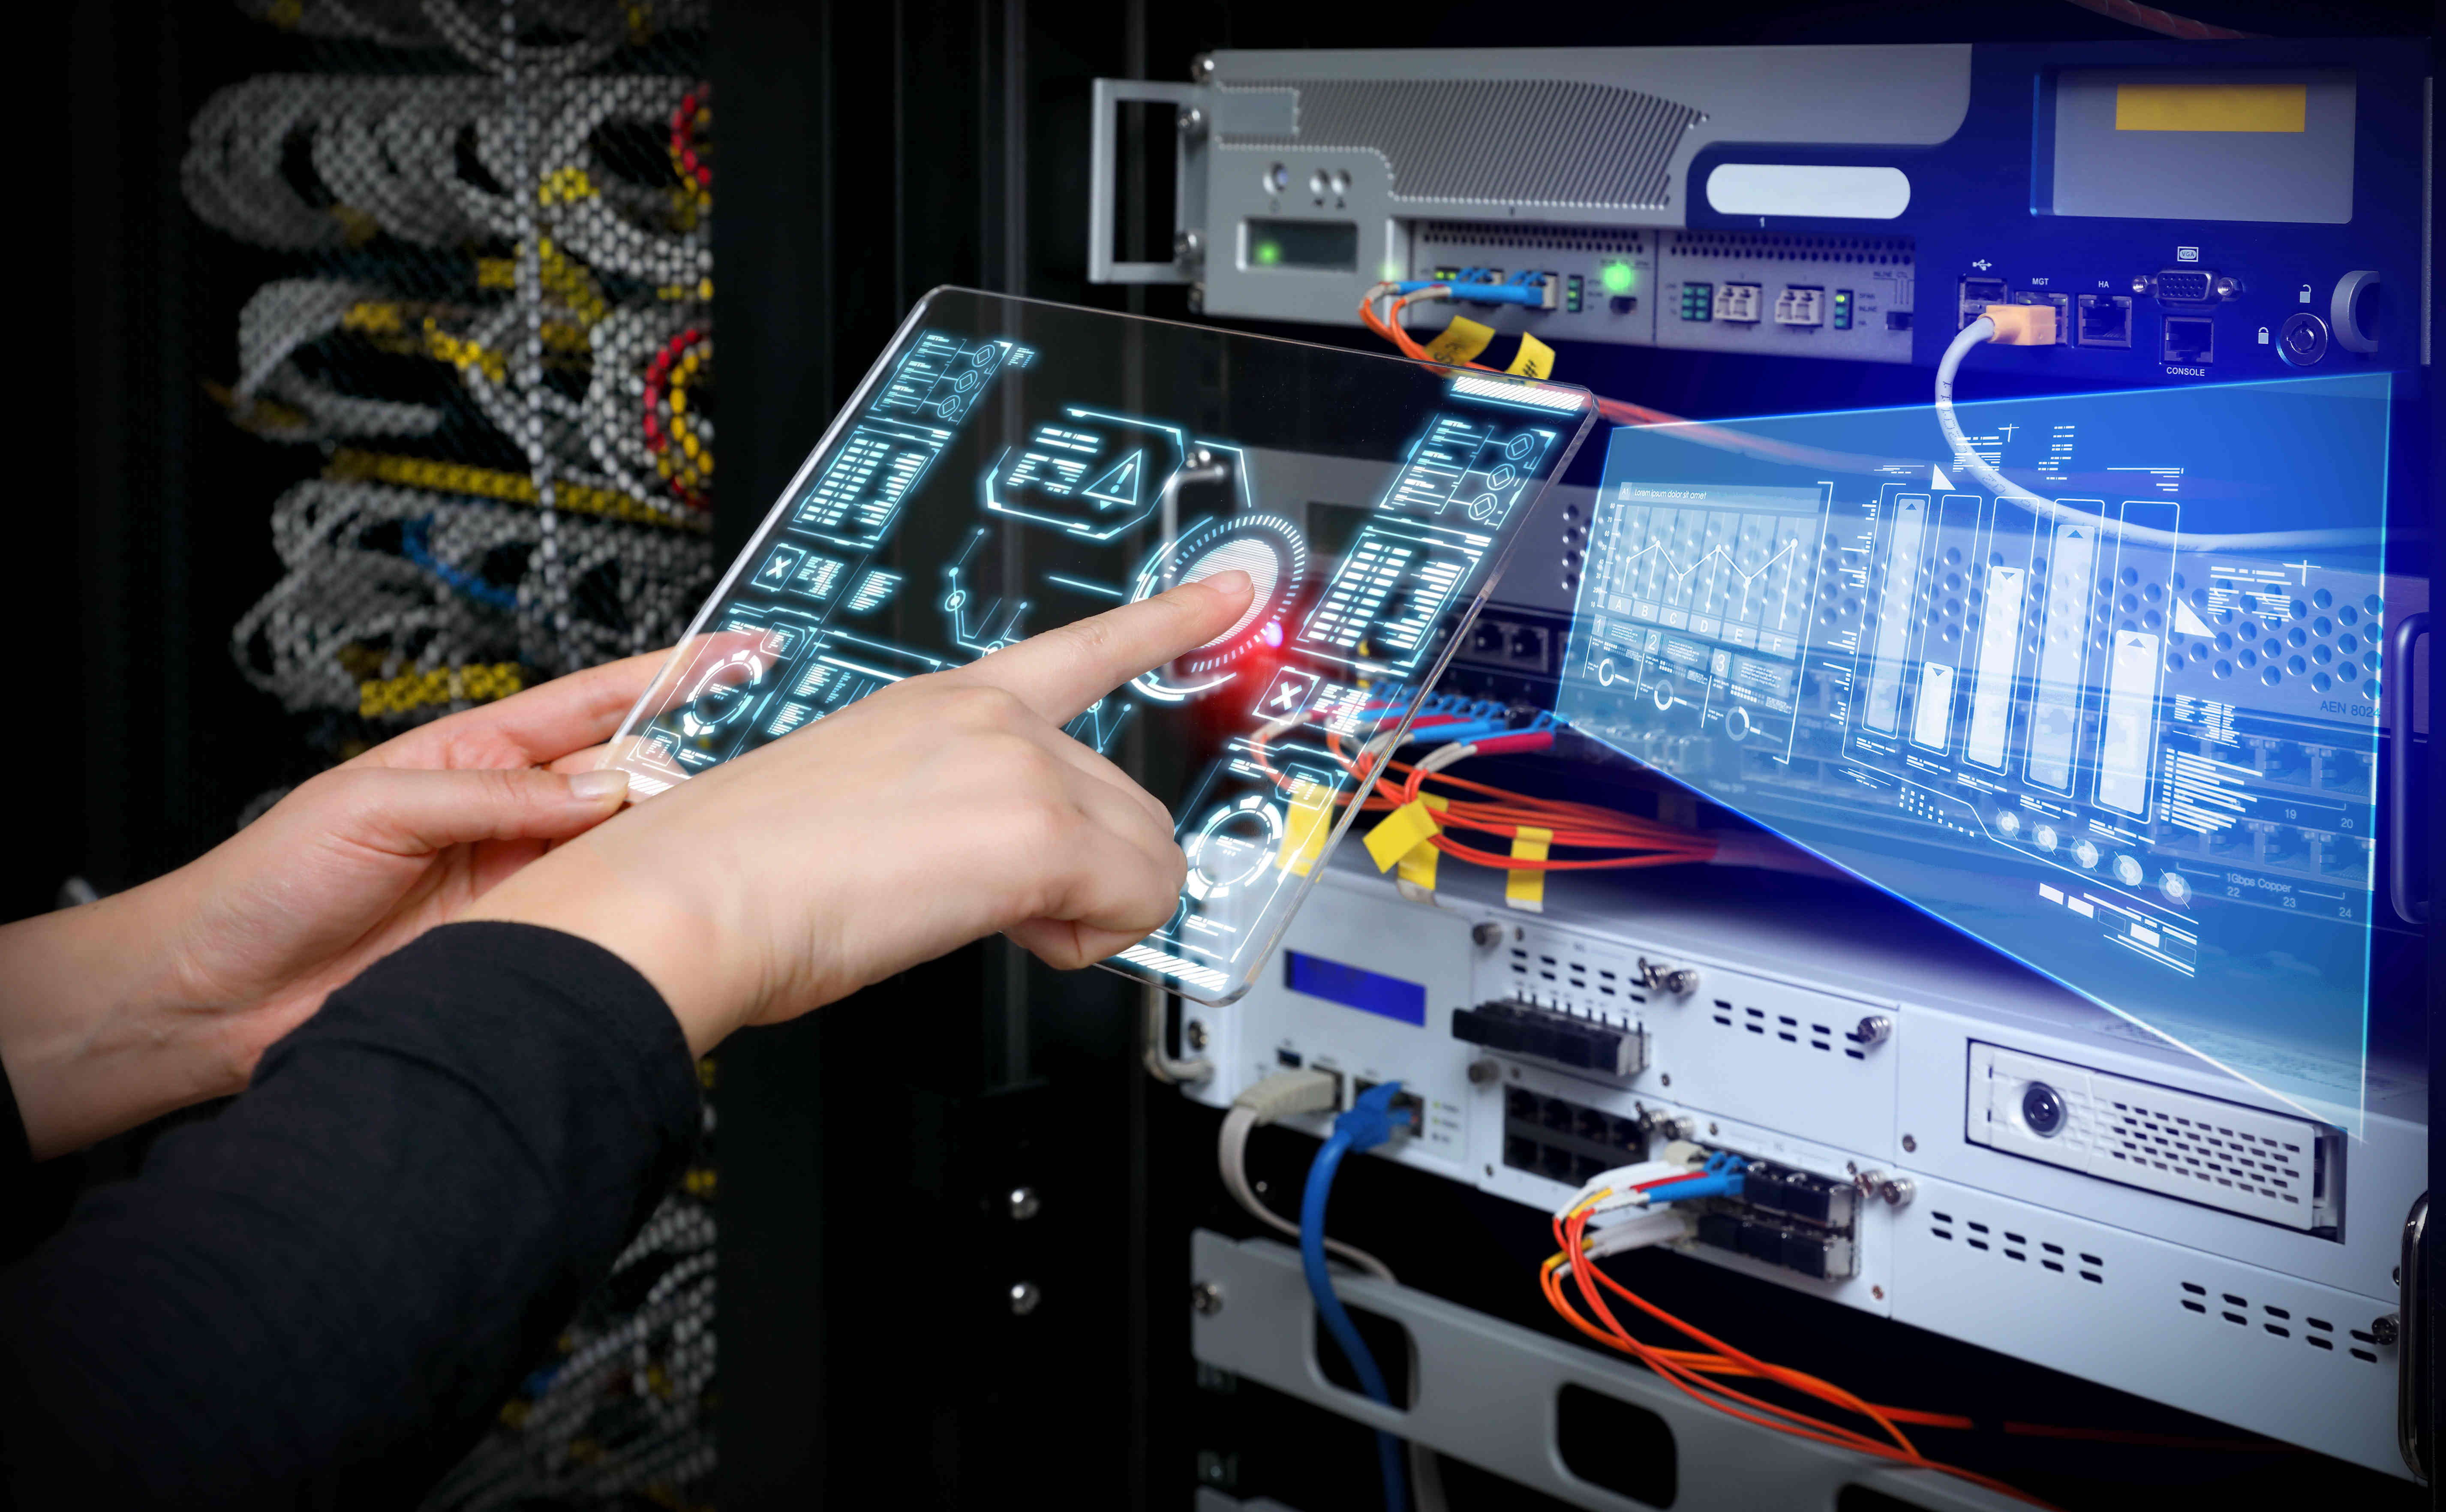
x=933, y=813
x=167, y=995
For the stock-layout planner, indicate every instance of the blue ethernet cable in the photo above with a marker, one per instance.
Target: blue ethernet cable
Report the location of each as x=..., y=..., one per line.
x=1369, y=1123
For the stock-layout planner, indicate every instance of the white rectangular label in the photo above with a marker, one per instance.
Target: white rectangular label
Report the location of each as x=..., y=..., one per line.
x=1991, y=687
x=2054, y=714
x=1932, y=718
x=2131, y=723
x=1895, y=613
x=1834, y=191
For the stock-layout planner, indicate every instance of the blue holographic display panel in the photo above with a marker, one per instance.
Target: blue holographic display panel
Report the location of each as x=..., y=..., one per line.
x=2120, y=722
x=1010, y=467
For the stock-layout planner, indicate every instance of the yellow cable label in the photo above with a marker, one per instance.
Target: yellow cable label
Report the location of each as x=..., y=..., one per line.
x=1306, y=827
x=1526, y=889
x=1417, y=867
x=1463, y=339
x=1402, y=832
x=1534, y=359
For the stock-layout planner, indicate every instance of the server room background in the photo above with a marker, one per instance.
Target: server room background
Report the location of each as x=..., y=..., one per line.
x=392, y=390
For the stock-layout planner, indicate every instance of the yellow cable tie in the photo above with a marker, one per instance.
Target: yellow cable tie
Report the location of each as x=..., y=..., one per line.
x=1303, y=833
x=1525, y=887
x=1404, y=830
x=1417, y=867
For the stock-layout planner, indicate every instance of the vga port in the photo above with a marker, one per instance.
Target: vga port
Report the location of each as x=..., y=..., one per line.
x=2186, y=286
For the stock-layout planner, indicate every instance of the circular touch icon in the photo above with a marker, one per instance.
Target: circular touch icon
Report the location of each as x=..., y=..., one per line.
x=1231, y=848
x=2177, y=887
x=2008, y=823
x=2043, y=837
x=2086, y=852
x=2127, y=871
x=1271, y=550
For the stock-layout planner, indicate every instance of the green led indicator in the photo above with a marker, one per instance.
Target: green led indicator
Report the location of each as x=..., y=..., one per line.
x=1617, y=277
x=1269, y=253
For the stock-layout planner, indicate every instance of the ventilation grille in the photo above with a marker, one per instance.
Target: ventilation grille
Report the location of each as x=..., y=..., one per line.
x=1585, y=146
x=2205, y=1152
x=1552, y=974
x=1784, y=1028
x=2022, y=1249
x=2280, y=1323
x=1532, y=239
x=1749, y=246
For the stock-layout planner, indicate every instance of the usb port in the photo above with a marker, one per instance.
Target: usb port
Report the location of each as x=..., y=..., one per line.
x=1290, y=1058
x=1977, y=294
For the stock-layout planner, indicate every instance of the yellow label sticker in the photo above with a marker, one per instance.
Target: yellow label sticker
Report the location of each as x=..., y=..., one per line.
x=1534, y=359
x=1418, y=866
x=1306, y=827
x=1400, y=833
x=1526, y=889
x=1463, y=339
x=2212, y=107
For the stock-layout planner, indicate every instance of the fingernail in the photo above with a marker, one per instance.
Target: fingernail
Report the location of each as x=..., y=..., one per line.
x=1229, y=581
x=591, y=787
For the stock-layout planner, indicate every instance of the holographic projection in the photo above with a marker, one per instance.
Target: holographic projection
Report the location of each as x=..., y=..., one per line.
x=2120, y=722
x=1003, y=472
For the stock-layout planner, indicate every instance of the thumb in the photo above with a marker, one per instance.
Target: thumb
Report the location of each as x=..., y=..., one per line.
x=416, y=813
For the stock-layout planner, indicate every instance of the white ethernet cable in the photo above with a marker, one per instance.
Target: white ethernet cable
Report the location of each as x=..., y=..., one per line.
x=1160, y=1065
x=1983, y=331
x=1280, y=1096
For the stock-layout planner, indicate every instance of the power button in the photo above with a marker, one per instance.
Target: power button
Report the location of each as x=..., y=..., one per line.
x=2303, y=340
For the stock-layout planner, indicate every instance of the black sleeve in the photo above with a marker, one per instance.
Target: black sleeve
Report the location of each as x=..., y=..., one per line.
x=321, y=1297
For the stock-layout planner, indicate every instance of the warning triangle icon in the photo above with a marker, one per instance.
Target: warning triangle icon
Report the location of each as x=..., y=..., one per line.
x=1118, y=487
x=2189, y=623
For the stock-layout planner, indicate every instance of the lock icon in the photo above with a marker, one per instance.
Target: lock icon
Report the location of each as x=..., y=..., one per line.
x=2263, y=335
x=2306, y=293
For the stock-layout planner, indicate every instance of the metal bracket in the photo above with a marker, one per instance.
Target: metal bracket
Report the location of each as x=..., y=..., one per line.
x=1486, y=1391
x=1104, y=171
x=2416, y=1345
x=2397, y=693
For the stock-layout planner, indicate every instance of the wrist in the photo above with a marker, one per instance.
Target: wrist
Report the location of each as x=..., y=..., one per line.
x=668, y=934
x=99, y=1034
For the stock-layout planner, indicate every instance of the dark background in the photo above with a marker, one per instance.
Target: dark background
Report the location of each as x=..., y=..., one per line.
x=870, y=153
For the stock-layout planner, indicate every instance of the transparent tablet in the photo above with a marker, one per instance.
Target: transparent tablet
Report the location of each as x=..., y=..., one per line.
x=1010, y=465
x=2119, y=719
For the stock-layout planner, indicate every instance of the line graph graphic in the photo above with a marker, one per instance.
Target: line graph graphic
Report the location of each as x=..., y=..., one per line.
x=1735, y=576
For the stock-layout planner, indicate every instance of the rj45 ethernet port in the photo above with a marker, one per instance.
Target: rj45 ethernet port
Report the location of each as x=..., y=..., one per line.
x=2105, y=320
x=2191, y=340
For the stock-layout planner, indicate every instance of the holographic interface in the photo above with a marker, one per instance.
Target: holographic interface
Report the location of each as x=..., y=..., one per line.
x=2121, y=724
x=1010, y=467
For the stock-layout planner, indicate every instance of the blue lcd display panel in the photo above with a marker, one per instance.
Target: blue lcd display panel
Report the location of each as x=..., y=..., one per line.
x=1355, y=987
x=2120, y=722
